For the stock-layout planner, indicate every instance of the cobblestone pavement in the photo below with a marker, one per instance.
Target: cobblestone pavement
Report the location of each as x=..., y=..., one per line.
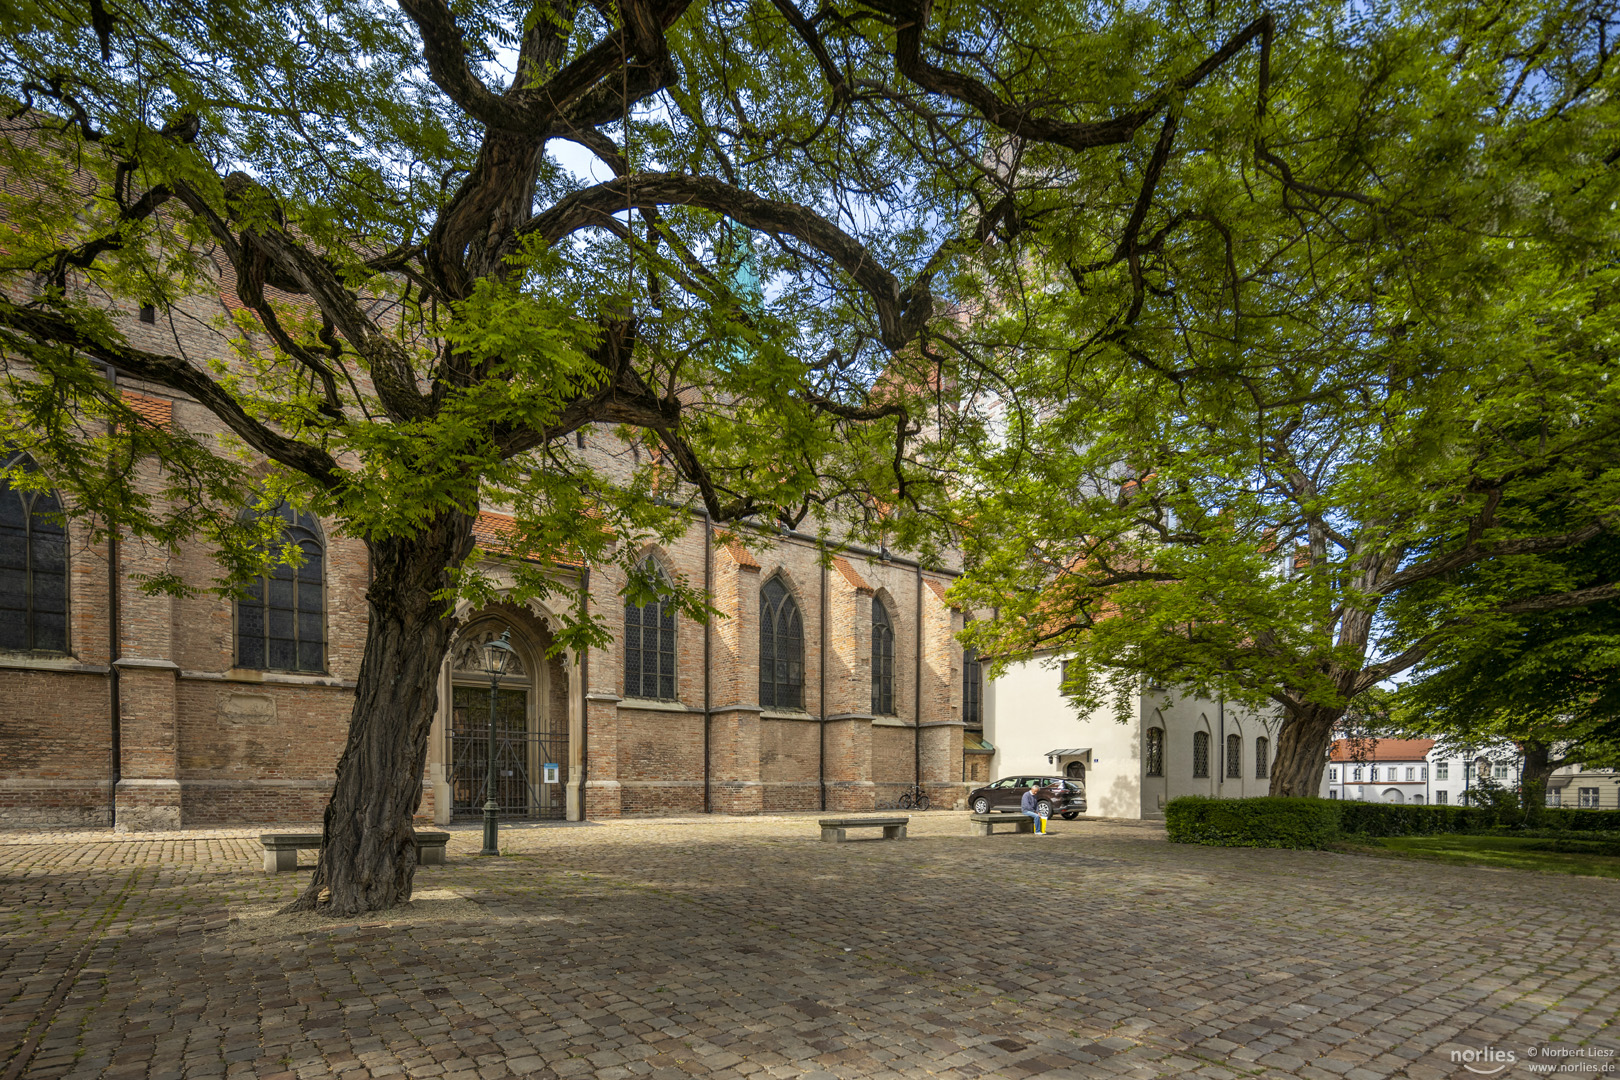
x=727, y=947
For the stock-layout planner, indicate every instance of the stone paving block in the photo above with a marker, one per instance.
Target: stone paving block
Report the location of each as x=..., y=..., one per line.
x=739, y=949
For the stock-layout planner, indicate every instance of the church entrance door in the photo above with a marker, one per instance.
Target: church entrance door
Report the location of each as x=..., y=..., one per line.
x=522, y=752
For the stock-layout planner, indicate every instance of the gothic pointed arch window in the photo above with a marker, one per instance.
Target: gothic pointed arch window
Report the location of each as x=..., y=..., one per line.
x=649, y=644
x=281, y=621
x=1201, y=754
x=1262, y=758
x=882, y=660
x=1154, y=752
x=1234, y=757
x=33, y=564
x=781, y=648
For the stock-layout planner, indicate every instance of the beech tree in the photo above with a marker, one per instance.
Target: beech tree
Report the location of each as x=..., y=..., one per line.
x=432, y=305
x=1362, y=343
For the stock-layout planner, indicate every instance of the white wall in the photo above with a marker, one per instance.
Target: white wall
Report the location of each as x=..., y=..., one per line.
x=1027, y=716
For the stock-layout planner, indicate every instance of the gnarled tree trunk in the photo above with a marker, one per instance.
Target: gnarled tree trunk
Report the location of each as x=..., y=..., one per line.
x=368, y=854
x=1302, y=748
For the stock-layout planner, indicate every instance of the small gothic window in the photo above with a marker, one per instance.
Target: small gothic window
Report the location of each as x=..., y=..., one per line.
x=33, y=565
x=882, y=660
x=1262, y=758
x=281, y=624
x=781, y=649
x=1200, y=753
x=972, y=688
x=1155, y=751
x=649, y=648
x=1234, y=757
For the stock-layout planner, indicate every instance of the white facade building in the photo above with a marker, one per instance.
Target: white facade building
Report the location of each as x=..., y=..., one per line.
x=1415, y=771
x=1170, y=745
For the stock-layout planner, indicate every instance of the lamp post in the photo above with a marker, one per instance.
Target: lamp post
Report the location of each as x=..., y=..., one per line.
x=497, y=655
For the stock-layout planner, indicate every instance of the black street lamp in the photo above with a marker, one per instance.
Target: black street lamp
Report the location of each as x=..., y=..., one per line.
x=497, y=655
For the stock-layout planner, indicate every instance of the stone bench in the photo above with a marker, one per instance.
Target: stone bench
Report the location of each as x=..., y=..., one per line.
x=833, y=828
x=281, y=849
x=985, y=824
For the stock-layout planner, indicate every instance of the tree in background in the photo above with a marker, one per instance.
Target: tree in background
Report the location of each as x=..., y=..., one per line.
x=431, y=306
x=1363, y=343
x=1548, y=682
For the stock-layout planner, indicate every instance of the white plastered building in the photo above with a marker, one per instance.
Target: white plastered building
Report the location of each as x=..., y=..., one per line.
x=1171, y=744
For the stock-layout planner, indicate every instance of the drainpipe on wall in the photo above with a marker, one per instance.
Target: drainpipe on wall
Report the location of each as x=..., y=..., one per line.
x=113, y=634
x=821, y=699
x=1220, y=712
x=708, y=593
x=584, y=696
x=116, y=732
x=916, y=693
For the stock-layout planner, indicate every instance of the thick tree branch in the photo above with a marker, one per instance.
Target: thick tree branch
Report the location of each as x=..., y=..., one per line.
x=48, y=328
x=901, y=313
x=1475, y=551
x=1021, y=120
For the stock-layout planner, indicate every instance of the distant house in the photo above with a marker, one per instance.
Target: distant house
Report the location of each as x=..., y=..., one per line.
x=1584, y=789
x=1415, y=771
x=1171, y=744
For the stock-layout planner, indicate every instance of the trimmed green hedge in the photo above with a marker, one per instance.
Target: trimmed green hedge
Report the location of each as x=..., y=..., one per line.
x=1269, y=821
x=1389, y=819
x=1577, y=820
x=1274, y=821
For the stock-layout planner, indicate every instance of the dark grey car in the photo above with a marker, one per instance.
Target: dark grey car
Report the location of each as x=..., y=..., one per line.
x=1062, y=796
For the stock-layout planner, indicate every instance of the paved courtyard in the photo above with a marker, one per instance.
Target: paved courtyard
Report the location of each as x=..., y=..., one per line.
x=729, y=947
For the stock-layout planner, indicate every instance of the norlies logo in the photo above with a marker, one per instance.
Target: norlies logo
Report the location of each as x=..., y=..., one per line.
x=1487, y=1061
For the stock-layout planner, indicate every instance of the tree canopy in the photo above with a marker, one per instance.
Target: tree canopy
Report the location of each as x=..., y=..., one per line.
x=1362, y=345
x=425, y=304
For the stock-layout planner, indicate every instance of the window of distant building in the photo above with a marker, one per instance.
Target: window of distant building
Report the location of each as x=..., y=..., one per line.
x=33, y=565
x=1555, y=797
x=1411, y=772
x=281, y=622
x=1442, y=770
x=1262, y=758
x=1155, y=751
x=781, y=648
x=1356, y=773
x=1588, y=798
x=1334, y=794
x=1200, y=753
x=649, y=644
x=1333, y=776
x=1501, y=772
x=1441, y=797
x=1234, y=757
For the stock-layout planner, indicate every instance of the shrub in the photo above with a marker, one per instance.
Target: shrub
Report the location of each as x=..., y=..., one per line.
x=1577, y=820
x=1389, y=819
x=1269, y=821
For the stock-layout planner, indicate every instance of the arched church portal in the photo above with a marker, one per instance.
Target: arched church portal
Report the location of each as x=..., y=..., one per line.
x=528, y=738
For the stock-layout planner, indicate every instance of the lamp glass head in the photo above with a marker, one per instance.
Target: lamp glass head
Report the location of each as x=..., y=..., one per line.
x=498, y=654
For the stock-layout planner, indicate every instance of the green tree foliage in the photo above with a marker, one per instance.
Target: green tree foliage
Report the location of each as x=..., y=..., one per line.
x=1548, y=682
x=430, y=305
x=1362, y=342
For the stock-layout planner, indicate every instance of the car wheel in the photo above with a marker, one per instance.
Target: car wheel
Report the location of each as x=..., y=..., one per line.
x=1070, y=815
x=1043, y=808
x=981, y=805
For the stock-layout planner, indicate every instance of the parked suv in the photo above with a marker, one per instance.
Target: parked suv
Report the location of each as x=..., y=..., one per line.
x=1062, y=796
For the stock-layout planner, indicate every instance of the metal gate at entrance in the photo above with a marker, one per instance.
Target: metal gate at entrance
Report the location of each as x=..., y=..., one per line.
x=521, y=756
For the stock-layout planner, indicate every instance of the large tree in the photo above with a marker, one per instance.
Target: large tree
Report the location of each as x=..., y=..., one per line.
x=1548, y=682
x=1362, y=344
x=430, y=304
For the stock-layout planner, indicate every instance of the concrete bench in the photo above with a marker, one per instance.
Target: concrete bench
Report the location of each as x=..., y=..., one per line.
x=281, y=849
x=833, y=828
x=985, y=824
